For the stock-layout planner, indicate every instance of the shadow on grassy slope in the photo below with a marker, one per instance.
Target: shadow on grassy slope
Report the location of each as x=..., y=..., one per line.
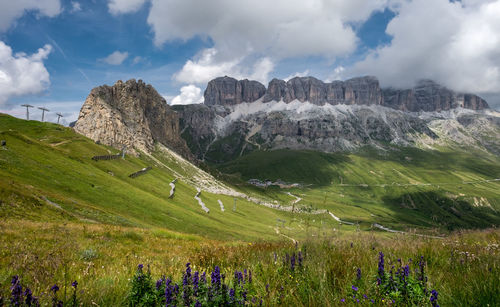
x=308, y=167
x=439, y=210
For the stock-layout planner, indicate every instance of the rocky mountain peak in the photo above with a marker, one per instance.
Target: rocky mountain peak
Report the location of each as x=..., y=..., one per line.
x=229, y=91
x=130, y=114
x=427, y=95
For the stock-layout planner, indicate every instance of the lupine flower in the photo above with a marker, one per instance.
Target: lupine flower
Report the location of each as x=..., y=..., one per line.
x=249, y=276
x=267, y=288
x=354, y=288
x=197, y=304
x=74, y=284
x=352, y=244
x=168, y=292
x=204, y=277
x=231, y=295
x=140, y=266
x=29, y=297
x=215, y=278
x=300, y=258
x=196, y=279
x=292, y=262
x=358, y=274
x=54, y=288
x=16, y=292
x=159, y=282
x=381, y=270
x=434, y=297
x=421, y=264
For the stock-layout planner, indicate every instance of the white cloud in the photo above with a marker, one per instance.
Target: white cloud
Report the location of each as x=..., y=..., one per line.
x=116, y=58
x=279, y=28
x=454, y=43
x=11, y=10
x=124, y=6
x=305, y=73
x=22, y=74
x=208, y=64
x=75, y=7
x=190, y=94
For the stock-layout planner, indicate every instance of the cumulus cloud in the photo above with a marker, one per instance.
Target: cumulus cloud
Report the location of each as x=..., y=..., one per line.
x=280, y=28
x=22, y=74
x=190, y=94
x=11, y=10
x=124, y=6
x=454, y=43
x=208, y=65
x=305, y=73
x=115, y=58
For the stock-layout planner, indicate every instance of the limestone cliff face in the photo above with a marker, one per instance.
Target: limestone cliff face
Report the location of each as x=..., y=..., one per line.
x=229, y=91
x=130, y=114
x=429, y=96
x=425, y=96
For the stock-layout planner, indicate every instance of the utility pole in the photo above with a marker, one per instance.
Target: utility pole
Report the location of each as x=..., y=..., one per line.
x=59, y=115
x=43, y=111
x=27, y=106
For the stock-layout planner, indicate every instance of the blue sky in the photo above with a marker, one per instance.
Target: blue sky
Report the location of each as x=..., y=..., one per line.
x=53, y=52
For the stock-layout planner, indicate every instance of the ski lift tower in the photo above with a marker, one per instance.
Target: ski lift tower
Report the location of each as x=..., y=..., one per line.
x=43, y=111
x=59, y=115
x=27, y=106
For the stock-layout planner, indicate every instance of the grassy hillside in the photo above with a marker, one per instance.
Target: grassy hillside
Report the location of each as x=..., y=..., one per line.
x=65, y=217
x=402, y=188
x=48, y=175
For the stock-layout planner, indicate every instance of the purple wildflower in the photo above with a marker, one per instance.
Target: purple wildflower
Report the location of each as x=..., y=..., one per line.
x=168, y=292
x=342, y=300
x=381, y=270
x=216, y=278
x=29, y=297
x=267, y=288
x=74, y=284
x=231, y=295
x=159, y=282
x=54, y=288
x=197, y=304
x=292, y=262
x=354, y=288
x=249, y=276
x=434, y=297
x=16, y=292
x=140, y=266
x=358, y=274
x=204, y=277
x=300, y=258
x=196, y=279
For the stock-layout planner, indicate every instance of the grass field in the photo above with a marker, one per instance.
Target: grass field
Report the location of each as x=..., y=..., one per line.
x=65, y=217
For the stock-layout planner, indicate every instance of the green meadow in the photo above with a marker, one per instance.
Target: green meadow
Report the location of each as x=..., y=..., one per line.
x=66, y=217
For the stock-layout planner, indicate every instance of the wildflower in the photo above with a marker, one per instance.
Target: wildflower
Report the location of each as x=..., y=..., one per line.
x=300, y=258
x=16, y=292
x=365, y=297
x=168, y=292
x=197, y=304
x=267, y=288
x=249, y=276
x=352, y=244
x=195, y=283
x=204, y=278
x=292, y=262
x=381, y=272
x=231, y=295
x=342, y=300
x=29, y=297
x=74, y=284
x=159, y=282
x=140, y=266
x=216, y=280
x=358, y=274
x=434, y=297
x=354, y=288
x=54, y=288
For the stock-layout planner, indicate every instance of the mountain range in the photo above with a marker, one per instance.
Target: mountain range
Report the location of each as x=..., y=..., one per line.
x=241, y=116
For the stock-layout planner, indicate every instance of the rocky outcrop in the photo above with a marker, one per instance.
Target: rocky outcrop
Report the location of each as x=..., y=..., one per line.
x=360, y=91
x=229, y=91
x=429, y=96
x=425, y=96
x=130, y=114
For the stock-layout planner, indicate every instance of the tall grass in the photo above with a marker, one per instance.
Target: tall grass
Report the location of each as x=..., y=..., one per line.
x=464, y=268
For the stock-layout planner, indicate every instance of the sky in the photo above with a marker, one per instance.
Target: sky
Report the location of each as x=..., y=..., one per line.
x=53, y=52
